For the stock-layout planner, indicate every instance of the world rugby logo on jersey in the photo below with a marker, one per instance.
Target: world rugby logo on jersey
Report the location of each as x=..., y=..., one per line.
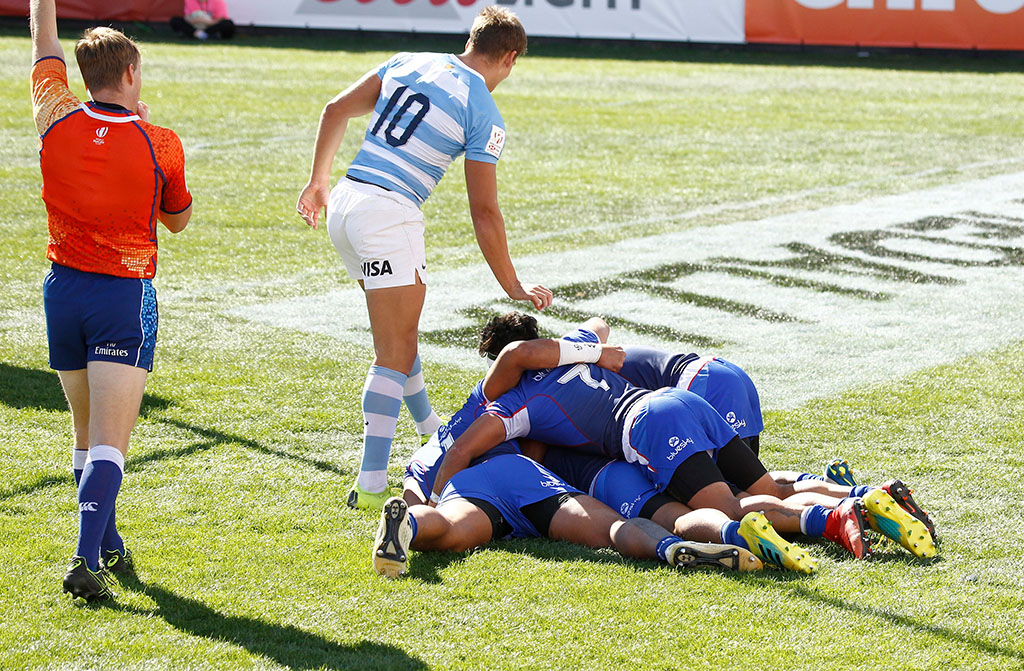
x=497, y=142
x=100, y=134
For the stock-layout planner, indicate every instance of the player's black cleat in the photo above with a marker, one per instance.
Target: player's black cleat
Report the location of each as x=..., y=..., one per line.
x=115, y=563
x=394, y=535
x=80, y=582
x=688, y=554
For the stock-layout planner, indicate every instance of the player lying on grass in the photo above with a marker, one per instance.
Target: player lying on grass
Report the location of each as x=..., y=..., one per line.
x=108, y=177
x=729, y=389
x=498, y=496
x=662, y=431
x=511, y=495
x=705, y=525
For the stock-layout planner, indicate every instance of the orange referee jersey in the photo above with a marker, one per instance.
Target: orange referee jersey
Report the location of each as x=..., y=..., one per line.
x=106, y=175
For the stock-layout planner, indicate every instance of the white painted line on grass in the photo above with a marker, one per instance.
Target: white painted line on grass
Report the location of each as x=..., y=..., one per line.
x=880, y=314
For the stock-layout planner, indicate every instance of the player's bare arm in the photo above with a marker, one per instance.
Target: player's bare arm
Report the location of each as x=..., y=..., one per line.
x=523, y=355
x=489, y=226
x=355, y=101
x=486, y=432
x=43, y=21
x=175, y=223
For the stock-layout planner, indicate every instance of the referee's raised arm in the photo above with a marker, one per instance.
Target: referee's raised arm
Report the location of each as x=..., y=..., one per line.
x=43, y=22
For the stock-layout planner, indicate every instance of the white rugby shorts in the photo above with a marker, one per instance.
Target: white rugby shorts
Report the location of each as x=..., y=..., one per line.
x=378, y=234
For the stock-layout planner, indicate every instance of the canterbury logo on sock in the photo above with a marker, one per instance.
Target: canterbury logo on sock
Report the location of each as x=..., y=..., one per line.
x=87, y=507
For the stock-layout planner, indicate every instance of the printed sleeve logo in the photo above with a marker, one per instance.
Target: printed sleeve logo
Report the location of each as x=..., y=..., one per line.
x=497, y=142
x=100, y=134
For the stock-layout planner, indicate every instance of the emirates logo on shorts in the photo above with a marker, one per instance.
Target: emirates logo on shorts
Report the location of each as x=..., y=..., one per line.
x=100, y=134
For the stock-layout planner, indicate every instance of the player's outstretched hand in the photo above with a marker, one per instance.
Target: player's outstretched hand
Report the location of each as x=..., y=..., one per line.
x=612, y=358
x=143, y=111
x=312, y=201
x=540, y=296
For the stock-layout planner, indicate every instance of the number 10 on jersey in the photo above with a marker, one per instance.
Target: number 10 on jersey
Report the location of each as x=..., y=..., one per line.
x=416, y=105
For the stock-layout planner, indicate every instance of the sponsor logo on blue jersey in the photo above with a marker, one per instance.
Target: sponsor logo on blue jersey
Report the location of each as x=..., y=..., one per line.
x=678, y=445
x=735, y=423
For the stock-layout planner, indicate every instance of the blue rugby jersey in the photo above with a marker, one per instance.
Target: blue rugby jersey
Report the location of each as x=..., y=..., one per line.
x=426, y=461
x=581, y=406
x=652, y=368
x=432, y=109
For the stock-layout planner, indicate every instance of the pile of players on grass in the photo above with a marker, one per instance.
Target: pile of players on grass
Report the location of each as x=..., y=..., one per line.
x=649, y=452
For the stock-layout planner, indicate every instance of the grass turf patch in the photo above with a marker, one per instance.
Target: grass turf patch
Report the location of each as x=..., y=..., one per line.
x=249, y=435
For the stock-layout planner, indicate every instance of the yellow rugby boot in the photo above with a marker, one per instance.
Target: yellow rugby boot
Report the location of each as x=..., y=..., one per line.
x=769, y=546
x=888, y=518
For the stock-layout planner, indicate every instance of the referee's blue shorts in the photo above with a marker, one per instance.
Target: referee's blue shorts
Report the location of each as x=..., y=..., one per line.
x=96, y=317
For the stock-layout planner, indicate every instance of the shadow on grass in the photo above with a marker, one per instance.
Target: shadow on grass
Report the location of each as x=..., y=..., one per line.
x=955, y=637
x=286, y=645
x=40, y=390
x=30, y=388
x=427, y=566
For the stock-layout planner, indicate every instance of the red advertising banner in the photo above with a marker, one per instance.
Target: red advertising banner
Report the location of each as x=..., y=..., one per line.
x=104, y=10
x=941, y=24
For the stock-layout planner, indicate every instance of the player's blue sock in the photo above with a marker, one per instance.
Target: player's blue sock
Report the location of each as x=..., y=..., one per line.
x=101, y=481
x=860, y=490
x=809, y=476
x=111, y=538
x=412, y=523
x=78, y=461
x=812, y=520
x=731, y=535
x=664, y=544
x=382, y=401
x=415, y=396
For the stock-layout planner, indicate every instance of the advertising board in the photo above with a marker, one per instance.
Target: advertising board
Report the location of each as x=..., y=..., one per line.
x=942, y=24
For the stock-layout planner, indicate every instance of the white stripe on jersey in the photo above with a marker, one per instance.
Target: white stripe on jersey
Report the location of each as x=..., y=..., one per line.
x=424, y=152
x=426, y=180
x=691, y=370
x=517, y=425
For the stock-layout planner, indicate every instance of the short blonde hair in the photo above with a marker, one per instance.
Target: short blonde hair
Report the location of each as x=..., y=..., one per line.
x=103, y=54
x=497, y=31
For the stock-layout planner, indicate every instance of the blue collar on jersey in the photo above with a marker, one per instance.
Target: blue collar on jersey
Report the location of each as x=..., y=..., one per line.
x=111, y=107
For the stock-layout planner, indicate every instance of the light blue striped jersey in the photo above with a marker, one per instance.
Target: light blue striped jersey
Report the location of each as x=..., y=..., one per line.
x=432, y=109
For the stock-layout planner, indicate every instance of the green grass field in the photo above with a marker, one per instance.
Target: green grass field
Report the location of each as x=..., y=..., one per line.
x=250, y=434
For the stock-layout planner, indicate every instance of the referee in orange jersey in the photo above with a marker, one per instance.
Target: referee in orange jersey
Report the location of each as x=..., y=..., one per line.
x=108, y=177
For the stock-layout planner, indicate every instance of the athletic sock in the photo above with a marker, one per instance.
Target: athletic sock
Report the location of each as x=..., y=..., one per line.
x=412, y=523
x=78, y=460
x=415, y=396
x=731, y=535
x=860, y=490
x=813, y=519
x=809, y=476
x=382, y=400
x=663, y=545
x=111, y=538
x=97, y=494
